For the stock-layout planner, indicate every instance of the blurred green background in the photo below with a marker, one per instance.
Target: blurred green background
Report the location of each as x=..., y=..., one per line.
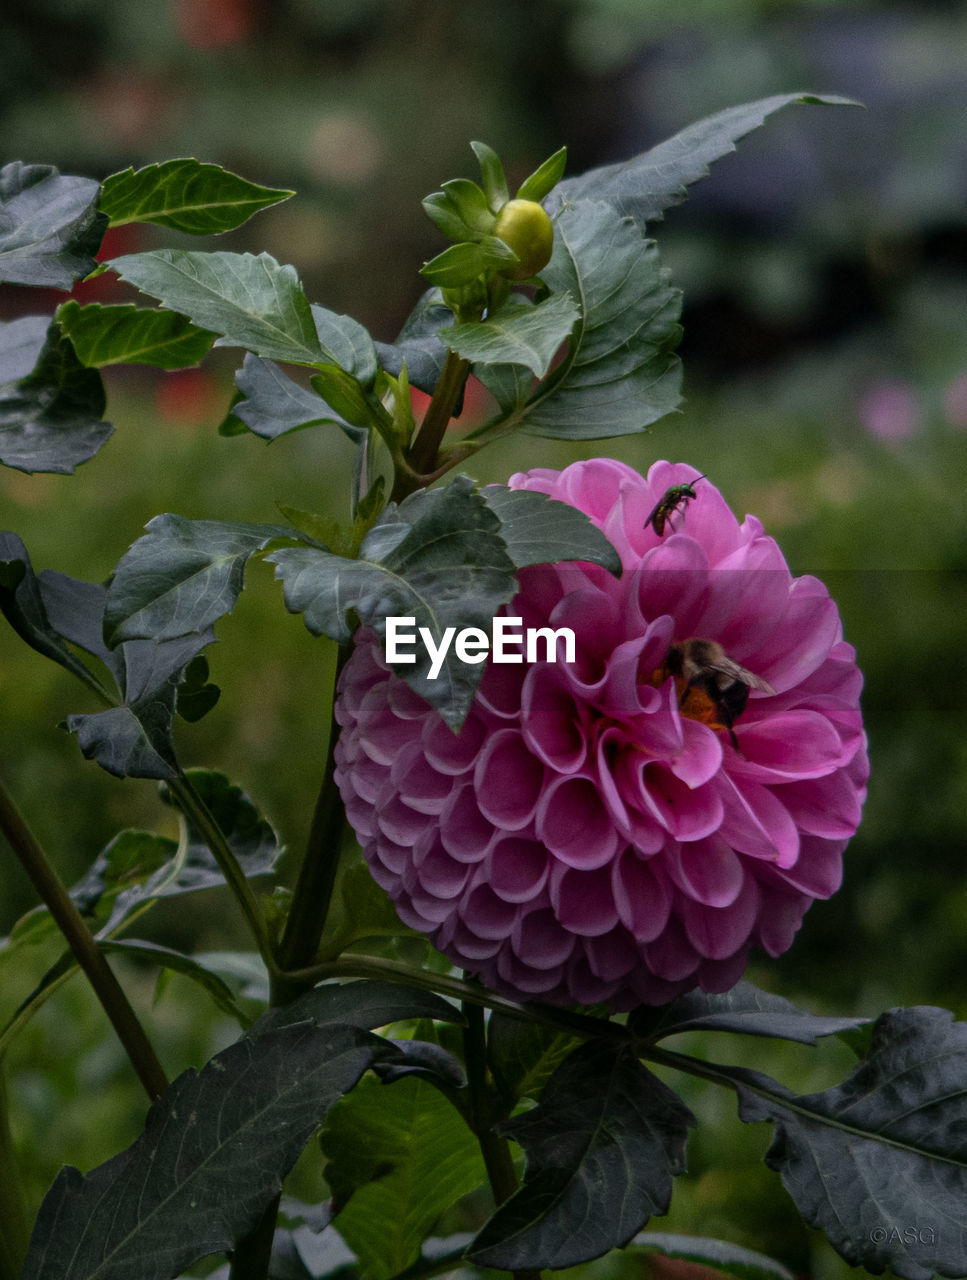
x=825, y=276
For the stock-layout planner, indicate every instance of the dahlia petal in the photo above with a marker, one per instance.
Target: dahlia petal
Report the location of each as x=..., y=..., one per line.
x=643, y=898
x=612, y=955
x=707, y=871
x=396, y=820
x=438, y=872
x=517, y=869
x=828, y=807
x=672, y=956
x=718, y=932
x=508, y=779
x=685, y=812
x=640, y=829
x=716, y=976
x=471, y=944
x=802, y=640
x=789, y=744
x=492, y=917
x=701, y=756
x=780, y=918
x=499, y=689
x=551, y=720
x=819, y=869
x=422, y=787
x=755, y=821
x=582, y=900
x=585, y=985
x=574, y=823
x=539, y=941
x=521, y=977
x=450, y=752
x=464, y=831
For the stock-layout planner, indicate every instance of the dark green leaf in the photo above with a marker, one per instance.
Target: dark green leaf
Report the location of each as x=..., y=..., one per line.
x=213, y=1155
x=251, y=301
x=524, y=1055
x=515, y=334
x=602, y=1147
x=196, y=695
x=544, y=178
x=127, y=862
x=134, y=740
x=509, y=384
x=646, y=185
x=251, y=838
x=546, y=531
x=367, y=1005
x=462, y=263
x=273, y=404
x=51, y=415
x=438, y=557
x=132, y=335
x=177, y=962
x=743, y=1009
x=418, y=344
x=731, y=1259
x=50, y=228
x=181, y=576
x=879, y=1163
x=24, y=606
x=402, y=1155
x=187, y=195
x=620, y=372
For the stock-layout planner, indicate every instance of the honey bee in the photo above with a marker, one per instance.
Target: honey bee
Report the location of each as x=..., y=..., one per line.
x=672, y=500
x=711, y=686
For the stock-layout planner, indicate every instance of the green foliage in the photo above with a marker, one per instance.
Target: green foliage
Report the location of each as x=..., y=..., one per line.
x=186, y=195
x=132, y=335
x=515, y=334
x=399, y=1156
x=50, y=228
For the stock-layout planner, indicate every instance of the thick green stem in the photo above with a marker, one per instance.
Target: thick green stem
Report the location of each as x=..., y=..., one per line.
x=317, y=875
x=423, y=452
x=202, y=819
x=14, y=1230
x=71, y=924
x=494, y=1148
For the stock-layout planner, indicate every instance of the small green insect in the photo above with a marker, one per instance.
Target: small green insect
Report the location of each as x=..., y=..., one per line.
x=672, y=500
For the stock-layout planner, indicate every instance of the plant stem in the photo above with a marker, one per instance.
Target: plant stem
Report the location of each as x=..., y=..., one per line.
x=204, y=822
x=317, y=875
x=494, y=1148
x=71, y=924
x=14, y=1231
x=423, y=451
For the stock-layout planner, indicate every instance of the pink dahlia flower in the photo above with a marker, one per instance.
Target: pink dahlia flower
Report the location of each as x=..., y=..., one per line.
x=599, y=831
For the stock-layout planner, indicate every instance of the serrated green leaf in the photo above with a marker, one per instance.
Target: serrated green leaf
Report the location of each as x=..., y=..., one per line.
x=438, y=557
x=196, y=695
x=644, y=186
x=347, y=344
x=403, y=1155
x=602, y=1146
x=743, y=1009
x=545, y=531
x=185, y=194
x=366, y=1004
x=516, y=334
x=620, y=372
x=50, y=228
x=104, y=335
x=271, y=404
x=722, y=1255
x=544, y=178
x=879, y=1163
x=492, y=172
x=225, y=1137
x=51, y=411
x=24, y=607
x=252, y=302
x=181, y=576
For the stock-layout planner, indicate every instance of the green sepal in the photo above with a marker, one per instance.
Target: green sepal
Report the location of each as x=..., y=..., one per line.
x=470, y=204
x=544, y=178
x=492, y=172
x=444, y=217
x=461, y=264
x=342, y=392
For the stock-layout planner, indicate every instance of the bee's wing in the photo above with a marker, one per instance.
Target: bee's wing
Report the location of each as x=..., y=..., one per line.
x=726, y=667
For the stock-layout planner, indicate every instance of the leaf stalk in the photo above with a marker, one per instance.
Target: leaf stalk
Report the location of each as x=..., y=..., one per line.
x=81, y=942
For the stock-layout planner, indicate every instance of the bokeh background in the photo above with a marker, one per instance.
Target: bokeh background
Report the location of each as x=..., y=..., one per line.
x=824, y=270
